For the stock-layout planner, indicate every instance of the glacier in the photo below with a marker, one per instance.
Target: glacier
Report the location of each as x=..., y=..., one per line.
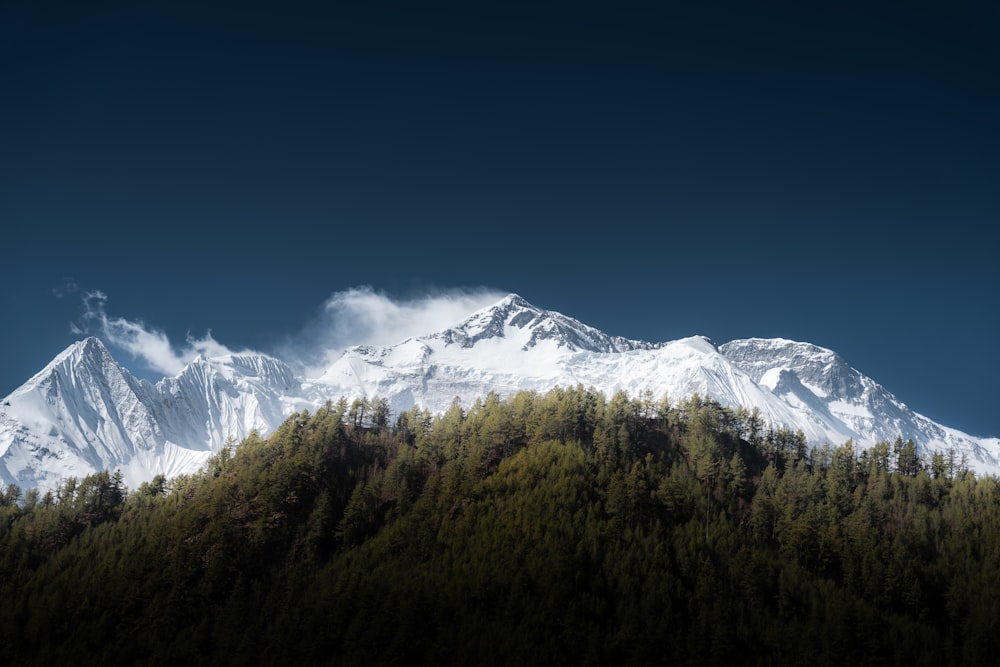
x=84, y=412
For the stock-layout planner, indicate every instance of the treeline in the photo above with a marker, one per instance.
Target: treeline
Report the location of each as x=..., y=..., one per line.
x=560, y=529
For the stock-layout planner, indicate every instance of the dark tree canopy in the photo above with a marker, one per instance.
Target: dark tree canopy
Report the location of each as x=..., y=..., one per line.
x=565, y=528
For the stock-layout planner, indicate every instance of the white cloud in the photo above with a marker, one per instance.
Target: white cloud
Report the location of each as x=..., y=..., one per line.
x=151, y=346
x=355, y=316
x=362, y=315
x=206, y=347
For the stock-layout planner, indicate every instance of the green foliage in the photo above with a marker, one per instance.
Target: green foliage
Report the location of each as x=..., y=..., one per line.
x=557, y=528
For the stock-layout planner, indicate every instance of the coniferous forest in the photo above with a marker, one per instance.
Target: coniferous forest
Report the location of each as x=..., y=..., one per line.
x=565, y=528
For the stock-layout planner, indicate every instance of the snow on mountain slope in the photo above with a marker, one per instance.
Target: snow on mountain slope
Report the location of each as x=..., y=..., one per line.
x=84, y=412
x=513, y=346
x=513, y=317
x=505, y=348
x=802, y=374
x=219, y=399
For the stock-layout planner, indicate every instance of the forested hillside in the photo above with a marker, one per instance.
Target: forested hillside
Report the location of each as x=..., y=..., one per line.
x=566, y=528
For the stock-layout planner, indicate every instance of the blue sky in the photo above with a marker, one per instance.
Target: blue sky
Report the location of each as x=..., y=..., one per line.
x=821, y=174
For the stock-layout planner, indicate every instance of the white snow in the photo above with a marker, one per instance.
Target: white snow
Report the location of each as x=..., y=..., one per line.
x=84, y=412
x=770, y=378
x=850, y=409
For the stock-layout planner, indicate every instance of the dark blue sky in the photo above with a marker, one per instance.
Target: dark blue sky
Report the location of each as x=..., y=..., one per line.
x=828, y=174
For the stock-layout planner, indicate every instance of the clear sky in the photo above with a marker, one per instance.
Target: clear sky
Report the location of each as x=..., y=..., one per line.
x=821, y=173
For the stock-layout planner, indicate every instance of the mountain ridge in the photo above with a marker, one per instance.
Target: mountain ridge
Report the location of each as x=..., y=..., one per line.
x=85, y=412
x=544, y=324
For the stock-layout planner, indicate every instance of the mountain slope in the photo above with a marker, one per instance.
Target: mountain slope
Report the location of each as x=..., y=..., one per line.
x=514, y=317
x=84, y=412
x=802, y=374
x=513, y=346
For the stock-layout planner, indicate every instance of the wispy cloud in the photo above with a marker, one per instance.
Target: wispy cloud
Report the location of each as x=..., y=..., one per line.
x=149, y=345
x=355, y=316
x=362, y=315
x=68, y=287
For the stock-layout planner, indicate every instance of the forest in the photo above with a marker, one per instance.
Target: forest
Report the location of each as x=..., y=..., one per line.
x=557, y=528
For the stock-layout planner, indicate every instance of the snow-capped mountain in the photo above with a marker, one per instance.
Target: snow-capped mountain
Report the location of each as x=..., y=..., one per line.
x=84, y=412
x=820, y=384
x=539, y=325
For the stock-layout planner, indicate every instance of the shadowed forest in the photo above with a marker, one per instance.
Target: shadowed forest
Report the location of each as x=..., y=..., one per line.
x=565, y=528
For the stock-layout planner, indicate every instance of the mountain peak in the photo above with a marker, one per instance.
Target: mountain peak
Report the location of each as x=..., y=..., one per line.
x=88, y=345
x=234, y=371
x=513, y=317
x=513, y=300
x=88, y=351
x=91, y=342
x=763, y=351
x=824, y=371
